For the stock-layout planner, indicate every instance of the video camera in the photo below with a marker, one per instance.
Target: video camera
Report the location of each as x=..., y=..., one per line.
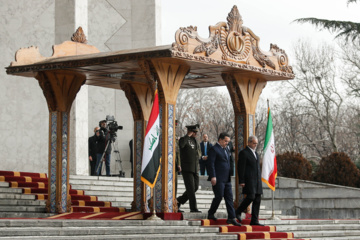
x=111, y=126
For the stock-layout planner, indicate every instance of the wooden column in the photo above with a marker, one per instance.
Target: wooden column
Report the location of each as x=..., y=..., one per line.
x=60, y=89
x=171, y=74
x=140, y=98
x=244, y=92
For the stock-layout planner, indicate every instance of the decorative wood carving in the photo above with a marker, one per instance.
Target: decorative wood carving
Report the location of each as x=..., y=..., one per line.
x=149, y=74
x=79, y=36
x=133, y=100
x=31, y=55
x=235, y=94
x=229, y=41
x=60, y=88
x=282, y=57
x=165, y=207
x=175, y=205
x=133, y=206
x=171, y=74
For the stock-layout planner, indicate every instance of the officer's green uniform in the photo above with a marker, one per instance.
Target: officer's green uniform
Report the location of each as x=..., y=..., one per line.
x=190, y=154
x=177, y=163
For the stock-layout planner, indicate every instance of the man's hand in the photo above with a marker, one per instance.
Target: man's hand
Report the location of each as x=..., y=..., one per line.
x=205, y=157
x=242, y=184
x=90, y=158
x=213, y=181
x=179, y=168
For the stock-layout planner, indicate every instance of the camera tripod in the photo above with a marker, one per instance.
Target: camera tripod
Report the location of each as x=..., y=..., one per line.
x=118, y=158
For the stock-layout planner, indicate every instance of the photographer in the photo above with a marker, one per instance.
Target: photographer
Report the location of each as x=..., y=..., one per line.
x=104, y=138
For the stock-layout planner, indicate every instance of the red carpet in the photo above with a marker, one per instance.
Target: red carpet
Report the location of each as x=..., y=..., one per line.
x=37, y=184
x=247, y=231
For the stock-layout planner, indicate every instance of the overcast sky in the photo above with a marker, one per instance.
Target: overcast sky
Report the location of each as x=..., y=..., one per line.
x=271, y=20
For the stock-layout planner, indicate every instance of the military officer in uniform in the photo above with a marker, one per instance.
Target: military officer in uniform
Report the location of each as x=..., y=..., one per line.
x=189, y=155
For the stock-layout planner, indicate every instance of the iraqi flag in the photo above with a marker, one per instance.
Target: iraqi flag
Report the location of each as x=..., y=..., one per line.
x=269, y=167
x=150, y=166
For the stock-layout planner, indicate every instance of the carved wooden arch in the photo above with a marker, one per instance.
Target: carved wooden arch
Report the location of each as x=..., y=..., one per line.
x=235, y=94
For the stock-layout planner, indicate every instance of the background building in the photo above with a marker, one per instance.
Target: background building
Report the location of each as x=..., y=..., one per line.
x=109, y=25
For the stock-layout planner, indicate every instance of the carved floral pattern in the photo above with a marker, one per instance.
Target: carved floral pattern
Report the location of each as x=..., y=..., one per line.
x=232, y=40
x=282, y=57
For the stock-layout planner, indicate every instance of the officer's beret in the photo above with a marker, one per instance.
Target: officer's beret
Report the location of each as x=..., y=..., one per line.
x=193, y=128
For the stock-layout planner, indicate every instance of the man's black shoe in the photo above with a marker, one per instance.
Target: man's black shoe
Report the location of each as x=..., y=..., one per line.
x=195, y=210
x=233, y=222
x=257, y=224
x=212, y=217
x=238, y=217
x=179, y=208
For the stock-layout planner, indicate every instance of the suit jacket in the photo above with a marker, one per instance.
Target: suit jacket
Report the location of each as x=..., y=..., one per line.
x=218, y=164
x=93, y=147
x=189, y=154
x=202, y=147
x=249, y=172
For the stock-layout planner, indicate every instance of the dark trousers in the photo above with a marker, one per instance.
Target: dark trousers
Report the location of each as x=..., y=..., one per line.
x=202, y=164
x=256, y=200
x=191, y=181
x=222, y=190
x=107, y=164
x=93, y=166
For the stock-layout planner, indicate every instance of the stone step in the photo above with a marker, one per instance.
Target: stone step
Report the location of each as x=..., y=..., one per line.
x=90, y=223
x=124, y=230
x=205, y=236
x=24, y=215
x=20, y=202
x=328, y=234
x=102, y=188
x=10, y=190
x=17, y=196
x=40, y=209
x=335, y=238
x=101, y=178
x=329, y=227
x=4, y=184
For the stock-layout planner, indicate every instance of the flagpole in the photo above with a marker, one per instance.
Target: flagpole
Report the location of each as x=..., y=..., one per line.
x=153, y=216
x=273, y=217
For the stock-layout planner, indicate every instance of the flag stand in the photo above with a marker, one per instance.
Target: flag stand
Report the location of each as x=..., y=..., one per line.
x=273, y=217
x=153, y=216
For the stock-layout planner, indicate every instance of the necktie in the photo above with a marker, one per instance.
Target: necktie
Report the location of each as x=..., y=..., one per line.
x=226, y=154
x=205, y=150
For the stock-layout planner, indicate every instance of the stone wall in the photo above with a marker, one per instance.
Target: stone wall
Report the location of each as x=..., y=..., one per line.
x=314, y=200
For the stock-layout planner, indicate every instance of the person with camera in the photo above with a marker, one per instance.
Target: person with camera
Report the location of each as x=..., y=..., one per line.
x=103, y=155
x=189, y=154
x=93, y=140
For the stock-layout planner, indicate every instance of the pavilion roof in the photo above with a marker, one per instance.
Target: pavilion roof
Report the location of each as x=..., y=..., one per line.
x=230, y=47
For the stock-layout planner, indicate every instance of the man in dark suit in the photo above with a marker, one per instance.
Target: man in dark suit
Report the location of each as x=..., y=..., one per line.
x=204, y=146
x=189, y=155
x=219, y=173
x=230, y=147
x=250, y=180
x=93, y=140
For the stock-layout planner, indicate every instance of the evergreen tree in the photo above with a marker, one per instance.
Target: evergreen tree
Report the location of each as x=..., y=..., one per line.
x=349, y=30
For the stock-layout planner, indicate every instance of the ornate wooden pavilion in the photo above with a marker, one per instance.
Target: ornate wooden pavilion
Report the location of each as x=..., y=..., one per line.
x=229, y=57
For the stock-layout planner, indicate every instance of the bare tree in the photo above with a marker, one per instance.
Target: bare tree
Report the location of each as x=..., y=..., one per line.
x=315, y=85
x=350, y=54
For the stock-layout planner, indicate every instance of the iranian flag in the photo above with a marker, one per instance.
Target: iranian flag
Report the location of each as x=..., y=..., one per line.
x=269, y=168
x=152, y=152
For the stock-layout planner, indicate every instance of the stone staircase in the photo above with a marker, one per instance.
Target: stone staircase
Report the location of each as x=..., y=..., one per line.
x=14, y=203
